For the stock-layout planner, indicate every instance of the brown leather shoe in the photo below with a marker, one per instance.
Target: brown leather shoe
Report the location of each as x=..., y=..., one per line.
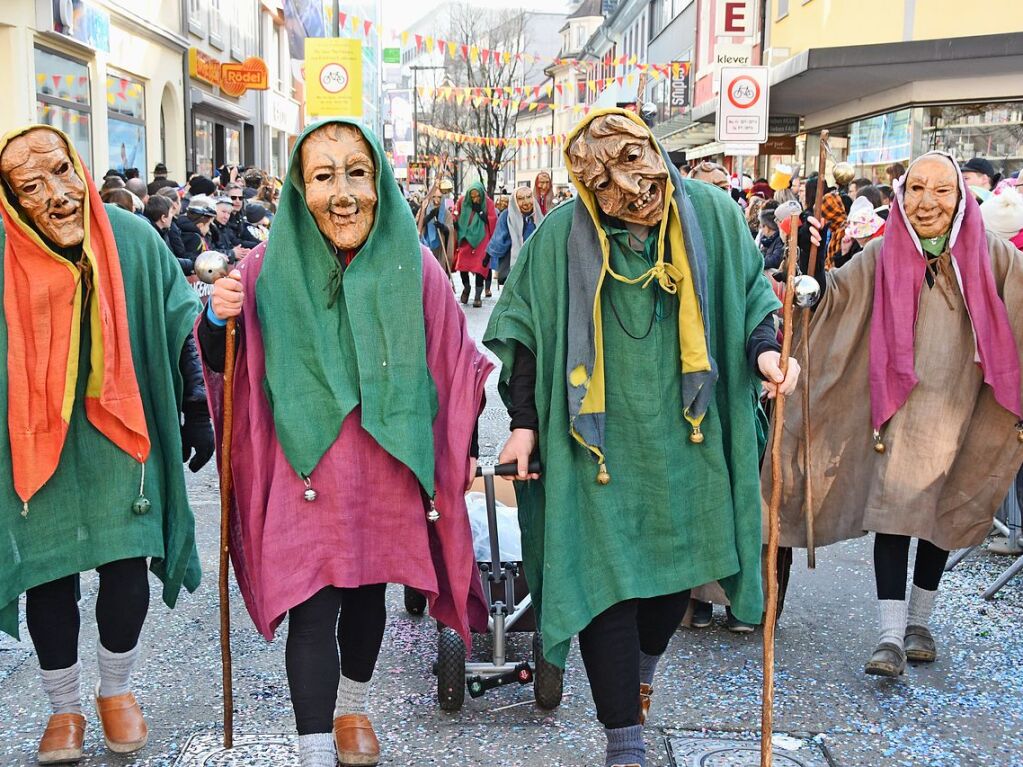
x=124, y=729
x=356, y=742
x=645, y=695
x=63, y=739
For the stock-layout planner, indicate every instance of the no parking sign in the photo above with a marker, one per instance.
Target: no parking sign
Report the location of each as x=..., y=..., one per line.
x=743, y=105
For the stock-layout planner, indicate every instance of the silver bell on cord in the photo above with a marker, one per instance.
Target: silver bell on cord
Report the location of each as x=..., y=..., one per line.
x=807, y=291
x=210, y=266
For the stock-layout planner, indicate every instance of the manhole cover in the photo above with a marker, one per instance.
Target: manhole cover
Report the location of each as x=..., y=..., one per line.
x=730, y=751
x=207, y=750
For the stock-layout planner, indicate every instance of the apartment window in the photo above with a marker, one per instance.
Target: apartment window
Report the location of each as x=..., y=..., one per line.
x=783, y=9
x=126, y=123
x=239, y=14
x=197, y=17
x=217, y=23
x=62, y=98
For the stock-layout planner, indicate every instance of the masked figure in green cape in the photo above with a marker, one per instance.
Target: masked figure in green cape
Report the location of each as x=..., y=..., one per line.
x=632, y=331
x=98, y=365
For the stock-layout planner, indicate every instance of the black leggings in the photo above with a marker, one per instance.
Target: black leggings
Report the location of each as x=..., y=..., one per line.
x=891, y=559
x=480, y=279
x=315, y=633
x=51, y=611
x=610, y=647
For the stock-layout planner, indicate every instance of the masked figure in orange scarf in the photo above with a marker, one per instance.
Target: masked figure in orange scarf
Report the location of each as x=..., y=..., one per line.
x=90, y=472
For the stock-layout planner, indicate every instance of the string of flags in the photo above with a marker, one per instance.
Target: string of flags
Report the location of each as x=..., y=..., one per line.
x=513, y=142
x=520, y=97
x=476, y=52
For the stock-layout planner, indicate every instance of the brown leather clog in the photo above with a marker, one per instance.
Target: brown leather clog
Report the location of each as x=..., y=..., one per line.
x=645, y=695
x=356, y=742
x=62, y=741
x=124, y=729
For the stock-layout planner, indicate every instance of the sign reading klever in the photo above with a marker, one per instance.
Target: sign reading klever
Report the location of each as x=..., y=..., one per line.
x=743, y=105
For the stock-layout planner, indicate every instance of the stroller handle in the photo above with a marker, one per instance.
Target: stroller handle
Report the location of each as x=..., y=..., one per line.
x=509, y=469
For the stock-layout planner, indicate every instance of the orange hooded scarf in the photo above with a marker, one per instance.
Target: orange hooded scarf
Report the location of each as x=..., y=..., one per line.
x=43, y=296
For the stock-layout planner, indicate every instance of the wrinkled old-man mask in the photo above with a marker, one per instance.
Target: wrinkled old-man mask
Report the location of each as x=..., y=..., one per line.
x=37, y=169
x=931, y=196
x=543, y=183
x=340, y=184
x=524, y=199
x=616, y=160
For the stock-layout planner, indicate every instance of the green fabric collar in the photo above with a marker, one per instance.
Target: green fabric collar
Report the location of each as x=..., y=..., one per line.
x=935, y=246
x=472, y=226
x=335, y=339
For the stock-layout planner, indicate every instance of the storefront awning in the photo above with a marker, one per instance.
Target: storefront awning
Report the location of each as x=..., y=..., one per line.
x=687, y=137
x=831, y=86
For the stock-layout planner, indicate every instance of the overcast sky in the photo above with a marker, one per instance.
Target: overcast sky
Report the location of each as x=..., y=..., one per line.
x=399, y=13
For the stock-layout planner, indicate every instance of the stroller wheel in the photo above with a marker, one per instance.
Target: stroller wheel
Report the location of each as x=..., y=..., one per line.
x=450, y=670
x=548, y=679
x=415, y=603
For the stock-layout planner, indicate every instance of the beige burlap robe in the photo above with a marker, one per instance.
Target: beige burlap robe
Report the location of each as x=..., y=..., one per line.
x=951, y=450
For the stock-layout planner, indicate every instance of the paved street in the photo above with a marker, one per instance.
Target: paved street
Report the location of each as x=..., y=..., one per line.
x=965, y=710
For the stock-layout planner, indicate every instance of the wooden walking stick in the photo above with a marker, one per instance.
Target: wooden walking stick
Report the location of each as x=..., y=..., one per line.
x=773, y=513
x=210, y=267
x=804, y=346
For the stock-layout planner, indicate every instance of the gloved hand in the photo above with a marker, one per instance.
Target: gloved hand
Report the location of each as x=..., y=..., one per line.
x=196, y=435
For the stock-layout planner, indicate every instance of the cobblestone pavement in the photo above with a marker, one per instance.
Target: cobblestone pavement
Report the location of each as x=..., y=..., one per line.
x=966, y=709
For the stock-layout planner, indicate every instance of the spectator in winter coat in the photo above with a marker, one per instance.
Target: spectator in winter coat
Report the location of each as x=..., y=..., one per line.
x=771, y=243
x=160, y=180
x=195, y=226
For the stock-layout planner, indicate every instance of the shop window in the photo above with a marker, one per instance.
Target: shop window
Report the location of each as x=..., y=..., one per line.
x=233, y=146
x=217, y=23
x=203, y=147
x=992, y=131
x=126, y=123
x=197, y=17
x=62, y=98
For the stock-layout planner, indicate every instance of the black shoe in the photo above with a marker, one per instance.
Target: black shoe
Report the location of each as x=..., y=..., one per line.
x=735, y=625
x=465, y=295
x=477, y=303
x=703, y=614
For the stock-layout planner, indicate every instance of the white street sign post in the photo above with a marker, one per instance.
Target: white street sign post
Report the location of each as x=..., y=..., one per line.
x=743, y=105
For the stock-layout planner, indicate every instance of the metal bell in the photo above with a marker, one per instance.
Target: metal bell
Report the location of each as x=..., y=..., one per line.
x=309, y=494
x=432, y=515
x=697, y=436
x=603, y=477
x=141, y=506
x=807, y=291
x=1019, y=431
x=879, y=447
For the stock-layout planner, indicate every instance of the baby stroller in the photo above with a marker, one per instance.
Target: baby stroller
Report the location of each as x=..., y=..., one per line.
x=510, y=610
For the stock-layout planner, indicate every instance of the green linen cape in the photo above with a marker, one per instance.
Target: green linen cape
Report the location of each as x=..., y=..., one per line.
x=675, y=514
x=82, y=517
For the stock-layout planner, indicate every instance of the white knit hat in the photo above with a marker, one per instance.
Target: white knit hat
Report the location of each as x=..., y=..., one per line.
x=1003, y=213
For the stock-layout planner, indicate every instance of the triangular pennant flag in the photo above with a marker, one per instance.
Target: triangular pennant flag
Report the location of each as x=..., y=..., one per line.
x=465, y=51
x=532, y=106
x=506, y=58
x=441, y=46
x=342, y=19
x=452, y=47
x=419, y=42
x=620, y=80
x=367, y=26
x=561, y=89
x=474, y=53
x=404, y=39
x=356, y=22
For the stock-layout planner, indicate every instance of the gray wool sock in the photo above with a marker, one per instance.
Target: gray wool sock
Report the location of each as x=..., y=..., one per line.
x=317, y=750
x=625, y=746
x=115, y=670
x=352, y=697
x=63, y=688
x=921, y=604
x=893, y=620
x=647, y=668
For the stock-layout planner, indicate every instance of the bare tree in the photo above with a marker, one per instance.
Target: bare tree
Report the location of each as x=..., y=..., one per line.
x=488, y=112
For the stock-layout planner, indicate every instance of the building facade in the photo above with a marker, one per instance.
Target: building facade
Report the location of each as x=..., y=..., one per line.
x=108, y=74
